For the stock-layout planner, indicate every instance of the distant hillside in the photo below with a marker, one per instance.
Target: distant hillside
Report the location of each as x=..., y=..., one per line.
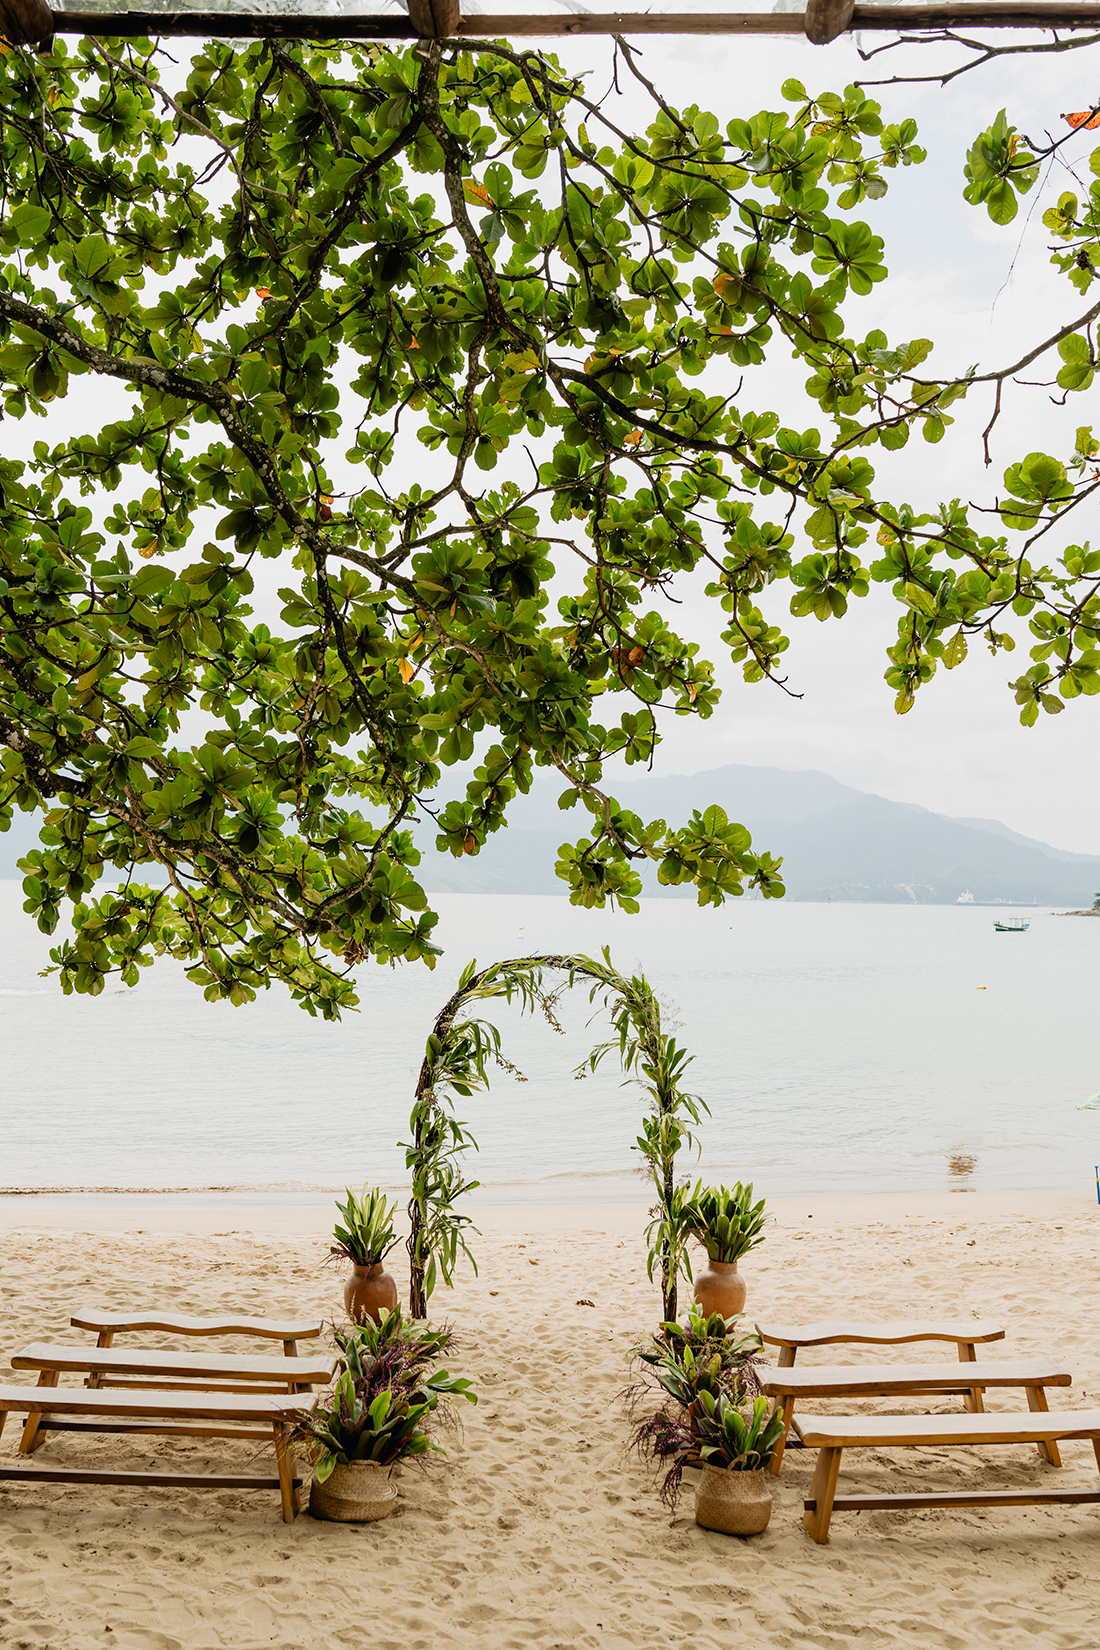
x=837, y=843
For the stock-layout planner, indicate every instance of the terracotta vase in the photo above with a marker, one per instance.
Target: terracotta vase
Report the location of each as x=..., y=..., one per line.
x=736, y=1503
x=360, y=1493
x=368, y=1292
x=719, y=1287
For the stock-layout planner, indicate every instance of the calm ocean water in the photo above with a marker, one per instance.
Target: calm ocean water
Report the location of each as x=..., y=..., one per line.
x=839, y=1047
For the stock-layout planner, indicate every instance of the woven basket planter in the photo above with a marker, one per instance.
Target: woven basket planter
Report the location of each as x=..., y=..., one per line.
x=360, y=1493
x=736, y=1503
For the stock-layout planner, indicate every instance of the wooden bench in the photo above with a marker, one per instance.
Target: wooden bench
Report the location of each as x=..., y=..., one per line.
x=966, y=1336
x=109, y=1324
x=833, y=1434
x=261, y=1418
x=789, y=1338
x=171, y=1371
x=788, y=1386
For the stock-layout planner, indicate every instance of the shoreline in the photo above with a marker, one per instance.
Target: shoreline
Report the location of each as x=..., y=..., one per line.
x=306, y=1214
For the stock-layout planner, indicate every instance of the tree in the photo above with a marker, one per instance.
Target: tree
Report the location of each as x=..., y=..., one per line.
x=437, y=264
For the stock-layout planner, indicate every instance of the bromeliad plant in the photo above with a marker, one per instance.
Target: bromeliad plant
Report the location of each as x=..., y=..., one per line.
x=367, y=1234
x=724, y=1219
x=689, y=1372
x=411, y=1346
x=356, y=1426
x=726, y=1438
x=383, y=1403
x=703, y=1337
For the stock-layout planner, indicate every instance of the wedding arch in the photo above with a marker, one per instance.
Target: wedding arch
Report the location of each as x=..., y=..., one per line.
x=456, y=1063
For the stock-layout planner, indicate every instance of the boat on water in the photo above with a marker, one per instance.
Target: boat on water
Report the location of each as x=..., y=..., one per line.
x=965, y=898
x=1014, y=925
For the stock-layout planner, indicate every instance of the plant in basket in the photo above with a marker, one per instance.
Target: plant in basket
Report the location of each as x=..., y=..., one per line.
x=381, y=1410
x=699, y=1384
x=736, y=1447
x=366, y=1237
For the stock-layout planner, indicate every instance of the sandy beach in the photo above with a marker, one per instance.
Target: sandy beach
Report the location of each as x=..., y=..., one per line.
x=540, y=1530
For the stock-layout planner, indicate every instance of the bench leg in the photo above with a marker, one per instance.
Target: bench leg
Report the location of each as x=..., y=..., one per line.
x=777, y=1458
x=816, y=1516
x=288, y=1490
x=786, y=1356
x=31, y=1432
x=1048, y=1449
x=106, y=1338
x=973, y=1400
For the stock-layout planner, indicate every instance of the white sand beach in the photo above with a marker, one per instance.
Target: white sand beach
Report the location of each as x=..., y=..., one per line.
x=540, y=1530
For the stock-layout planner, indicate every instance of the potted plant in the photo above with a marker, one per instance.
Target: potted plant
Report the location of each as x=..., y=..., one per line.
x=366, y=1238
x=734, y=1494
x=726, y=1221
x=705, y=1334
x=703, y=1368
x=378, y=1413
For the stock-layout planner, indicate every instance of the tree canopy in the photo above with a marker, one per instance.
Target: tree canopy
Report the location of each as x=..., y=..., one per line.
x=545, y=343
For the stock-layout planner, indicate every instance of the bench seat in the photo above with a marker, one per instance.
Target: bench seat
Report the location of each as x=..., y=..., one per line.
x=789, y=1386
x=831, y=1435
x=210, y=1371
x=791, y=1337
x=258, y=1417
x=109, y=1324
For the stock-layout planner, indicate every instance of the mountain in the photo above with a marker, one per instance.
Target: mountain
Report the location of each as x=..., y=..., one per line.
x=995, y=826
x=837, y=843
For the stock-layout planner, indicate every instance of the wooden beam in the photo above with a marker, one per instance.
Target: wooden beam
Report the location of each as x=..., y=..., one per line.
x=905, y=19
x=825, y=19
x=433, y=19
x=25, y=22
x=697, y=22
x=993, y=14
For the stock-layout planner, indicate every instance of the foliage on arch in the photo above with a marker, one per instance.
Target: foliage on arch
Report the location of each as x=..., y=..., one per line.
x=406, y=334
x=456, y=1061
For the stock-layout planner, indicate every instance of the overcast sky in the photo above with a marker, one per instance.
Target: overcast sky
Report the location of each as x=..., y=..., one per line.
x=984, y=294
x=977, y=290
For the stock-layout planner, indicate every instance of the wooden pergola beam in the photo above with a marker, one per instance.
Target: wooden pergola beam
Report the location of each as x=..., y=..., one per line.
x=25, y=21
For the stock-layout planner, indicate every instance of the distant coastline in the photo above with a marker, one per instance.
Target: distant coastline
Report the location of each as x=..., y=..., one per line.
x=838, y=844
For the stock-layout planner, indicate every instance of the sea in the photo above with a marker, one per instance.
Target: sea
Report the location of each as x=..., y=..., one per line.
x=838, y=1047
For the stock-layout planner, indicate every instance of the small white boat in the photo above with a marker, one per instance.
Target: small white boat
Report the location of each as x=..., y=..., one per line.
x=965, y=898
x=1014, y=925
